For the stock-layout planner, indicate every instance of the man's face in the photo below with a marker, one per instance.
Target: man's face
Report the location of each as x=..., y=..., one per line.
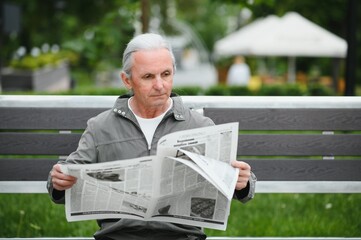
x=152, y=78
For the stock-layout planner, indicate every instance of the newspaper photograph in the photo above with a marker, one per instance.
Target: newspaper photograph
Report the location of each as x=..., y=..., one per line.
x=189, y=181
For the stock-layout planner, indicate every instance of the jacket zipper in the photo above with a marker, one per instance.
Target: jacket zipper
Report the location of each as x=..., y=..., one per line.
x=167, y=115
x=139, y=129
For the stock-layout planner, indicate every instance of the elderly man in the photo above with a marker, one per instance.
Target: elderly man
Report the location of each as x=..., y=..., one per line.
x=132, y=129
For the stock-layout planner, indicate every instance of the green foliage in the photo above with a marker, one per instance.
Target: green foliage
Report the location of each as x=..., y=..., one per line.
x=95, y=91
x=210, y=23
x=50, y=59
x=190, y=91
x=224, y=62
x=278, y=215
x=269, y=90
x=293, y=90
x=239, y=91
x=97, y=32
x=223, y=90
x=219, y=90
x=34, y=215
x=101, y=46
x=89, y=91
x=272, y=90
x=294, y=215
x=319, y=90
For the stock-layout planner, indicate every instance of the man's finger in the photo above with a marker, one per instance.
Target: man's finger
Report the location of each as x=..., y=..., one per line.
x=241, y=165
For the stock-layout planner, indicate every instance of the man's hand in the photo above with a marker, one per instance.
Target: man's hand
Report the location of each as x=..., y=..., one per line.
x=61, y=181
x=244, y=174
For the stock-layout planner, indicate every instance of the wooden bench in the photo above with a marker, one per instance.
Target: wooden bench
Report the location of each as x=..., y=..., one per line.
x=294, y=144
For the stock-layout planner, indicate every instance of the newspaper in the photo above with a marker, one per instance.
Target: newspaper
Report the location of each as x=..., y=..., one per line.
x=189, y=181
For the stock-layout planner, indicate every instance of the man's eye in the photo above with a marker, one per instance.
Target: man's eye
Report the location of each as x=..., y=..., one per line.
x=166, y=73
x=147, y=76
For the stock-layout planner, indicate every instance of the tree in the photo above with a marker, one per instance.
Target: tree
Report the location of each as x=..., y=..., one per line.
x=97, y=30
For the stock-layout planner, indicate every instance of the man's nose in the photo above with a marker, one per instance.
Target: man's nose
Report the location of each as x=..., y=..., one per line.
x=158, y=82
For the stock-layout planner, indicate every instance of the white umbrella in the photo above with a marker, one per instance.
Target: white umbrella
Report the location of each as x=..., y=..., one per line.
x=243, y=40
x=292, y=35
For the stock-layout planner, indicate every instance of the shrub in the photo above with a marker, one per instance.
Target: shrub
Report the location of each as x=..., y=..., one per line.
x=29, y=62
x=191, y=90
x=295, y=90
x=219, y=90
x=319, y=90
x=95, y=91
x=282, y=90
x=272, y=90
x=239, y=91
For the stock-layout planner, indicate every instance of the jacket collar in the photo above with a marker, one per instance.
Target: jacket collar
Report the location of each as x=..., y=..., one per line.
x=121, y=107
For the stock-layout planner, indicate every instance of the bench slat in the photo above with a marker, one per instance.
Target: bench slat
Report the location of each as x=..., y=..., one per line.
x=46, y=118
x=28, y=169
x=248, y=144
x=306, y=170
x=299, y=145
x=38, y=143
x=249, y=119
x=265, y=170
x=288, y=119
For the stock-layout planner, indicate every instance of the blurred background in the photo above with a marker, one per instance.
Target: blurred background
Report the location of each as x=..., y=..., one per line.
x=75, y=47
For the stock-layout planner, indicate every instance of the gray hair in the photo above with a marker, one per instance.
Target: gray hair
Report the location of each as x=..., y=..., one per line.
x=146, y=41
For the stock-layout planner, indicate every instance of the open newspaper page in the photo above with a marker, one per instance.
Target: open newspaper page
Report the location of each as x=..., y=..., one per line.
x=189, y=181
x=119, y=189
x=196, y=180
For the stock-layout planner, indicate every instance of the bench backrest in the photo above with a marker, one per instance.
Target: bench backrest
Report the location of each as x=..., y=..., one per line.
x=292, y=143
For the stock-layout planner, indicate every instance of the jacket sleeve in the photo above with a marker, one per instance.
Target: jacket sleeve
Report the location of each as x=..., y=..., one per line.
x=55, y=195
x=85, y=153
x=248, y=192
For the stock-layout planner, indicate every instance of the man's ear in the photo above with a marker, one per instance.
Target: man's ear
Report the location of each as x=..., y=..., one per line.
x=126, y=80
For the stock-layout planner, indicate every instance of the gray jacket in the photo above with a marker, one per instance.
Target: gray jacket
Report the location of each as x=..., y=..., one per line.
x=114, y=135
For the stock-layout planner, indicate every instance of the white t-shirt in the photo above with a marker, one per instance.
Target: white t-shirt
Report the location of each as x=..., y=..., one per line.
x=149, y=125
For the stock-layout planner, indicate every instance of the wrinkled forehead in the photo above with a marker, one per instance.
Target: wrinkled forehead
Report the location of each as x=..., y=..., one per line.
x=154, y=60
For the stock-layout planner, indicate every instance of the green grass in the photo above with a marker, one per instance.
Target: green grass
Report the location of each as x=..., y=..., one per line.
x=312, y=215
x=34, y=215
x=292, y=215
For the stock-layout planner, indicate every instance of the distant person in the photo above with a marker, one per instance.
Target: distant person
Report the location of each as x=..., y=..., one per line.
x=239, y=73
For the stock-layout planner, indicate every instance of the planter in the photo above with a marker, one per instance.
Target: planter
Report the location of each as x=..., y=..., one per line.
x=46, y=79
